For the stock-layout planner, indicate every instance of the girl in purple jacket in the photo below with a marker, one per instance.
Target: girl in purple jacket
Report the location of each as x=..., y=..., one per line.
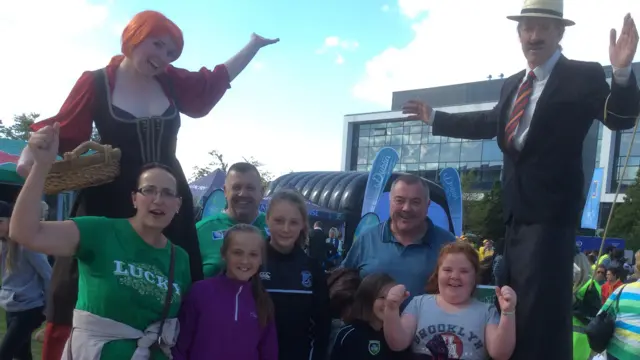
x=230, y=316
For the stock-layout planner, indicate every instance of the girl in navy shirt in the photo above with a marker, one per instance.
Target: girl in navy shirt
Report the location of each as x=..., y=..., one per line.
x=362, y=337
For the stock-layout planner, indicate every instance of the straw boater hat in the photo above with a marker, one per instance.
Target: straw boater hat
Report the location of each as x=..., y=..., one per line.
x=551, y=9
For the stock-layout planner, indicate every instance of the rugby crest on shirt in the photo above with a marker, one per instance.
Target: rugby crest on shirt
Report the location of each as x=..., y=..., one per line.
x=306, y=279
x=374, y=347
x=217, y=235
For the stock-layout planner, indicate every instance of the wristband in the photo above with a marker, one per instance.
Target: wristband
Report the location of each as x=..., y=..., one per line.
x=508, y=313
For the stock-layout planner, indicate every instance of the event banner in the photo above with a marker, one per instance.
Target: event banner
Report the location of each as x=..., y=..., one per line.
x=368, y=221
x=215, y=203
x=450, y=181
x=591, y=210
x=381, y=171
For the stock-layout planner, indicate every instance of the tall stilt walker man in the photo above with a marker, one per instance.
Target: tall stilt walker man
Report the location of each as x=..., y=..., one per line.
x=541, y=121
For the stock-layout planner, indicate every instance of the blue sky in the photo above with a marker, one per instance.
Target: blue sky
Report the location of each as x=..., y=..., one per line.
x=287, y=108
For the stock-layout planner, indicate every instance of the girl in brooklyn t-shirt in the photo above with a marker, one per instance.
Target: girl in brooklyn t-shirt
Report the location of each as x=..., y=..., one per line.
x=448, y=323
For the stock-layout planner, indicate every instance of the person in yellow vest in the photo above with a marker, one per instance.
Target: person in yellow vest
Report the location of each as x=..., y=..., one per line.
x=586, y=302
x=486, y=250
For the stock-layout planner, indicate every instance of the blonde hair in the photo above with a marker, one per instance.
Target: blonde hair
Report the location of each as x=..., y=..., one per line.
x=11, y=254
x=264, y=305
x=293, y=197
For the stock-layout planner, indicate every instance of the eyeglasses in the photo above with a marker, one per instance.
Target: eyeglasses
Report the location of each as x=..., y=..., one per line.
x=152, y=191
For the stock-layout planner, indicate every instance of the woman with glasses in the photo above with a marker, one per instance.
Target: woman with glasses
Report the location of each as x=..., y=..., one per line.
x=131, y=277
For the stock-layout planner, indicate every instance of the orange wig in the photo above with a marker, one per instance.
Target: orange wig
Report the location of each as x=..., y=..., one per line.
x=145, y=24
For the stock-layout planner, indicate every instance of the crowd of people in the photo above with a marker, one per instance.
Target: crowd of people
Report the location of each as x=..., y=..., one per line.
x=135, y=277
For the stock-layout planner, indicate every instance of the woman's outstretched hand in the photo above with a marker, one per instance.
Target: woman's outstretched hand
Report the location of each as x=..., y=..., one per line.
x=261, y=42
x=43, y=145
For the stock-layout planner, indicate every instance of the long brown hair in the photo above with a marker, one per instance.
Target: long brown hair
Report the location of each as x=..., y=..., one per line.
x=367, y=294
x=264, y=305
x=343, y=284
x=458, y=247
x=298, y=201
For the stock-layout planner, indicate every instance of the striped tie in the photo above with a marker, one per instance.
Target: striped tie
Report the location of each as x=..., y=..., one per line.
x=522, y=100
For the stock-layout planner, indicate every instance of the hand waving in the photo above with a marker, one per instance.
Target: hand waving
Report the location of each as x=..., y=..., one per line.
x=261, y=42
x=622, y=49
x=417, y=110
x=43, y=144
x=507, y=298
x=396, y=296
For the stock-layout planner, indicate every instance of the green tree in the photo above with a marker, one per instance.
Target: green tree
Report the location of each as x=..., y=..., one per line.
x=493, y=226
x=218, y=162
x=20, y=128
x=472, y=206
x=625, y=221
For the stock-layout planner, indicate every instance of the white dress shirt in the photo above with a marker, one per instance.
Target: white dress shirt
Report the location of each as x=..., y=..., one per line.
x=620, y=76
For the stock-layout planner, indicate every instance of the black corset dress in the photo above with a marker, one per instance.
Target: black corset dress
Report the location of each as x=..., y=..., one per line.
x=141, y=140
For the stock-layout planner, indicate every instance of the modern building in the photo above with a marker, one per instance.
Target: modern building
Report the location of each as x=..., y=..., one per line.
x=426, y=155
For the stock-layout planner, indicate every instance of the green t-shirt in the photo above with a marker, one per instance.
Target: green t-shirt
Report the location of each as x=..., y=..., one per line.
x=123, y=278
x=210, y=234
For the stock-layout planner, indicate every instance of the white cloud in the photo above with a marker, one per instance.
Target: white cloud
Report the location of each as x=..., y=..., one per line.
x=332, y=41
x=335, y=42
x=48, y=45
x=415, y=8
x=466, y=40
x=336, y=46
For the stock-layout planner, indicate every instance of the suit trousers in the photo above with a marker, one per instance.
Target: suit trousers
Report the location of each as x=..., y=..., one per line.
x=538, y=265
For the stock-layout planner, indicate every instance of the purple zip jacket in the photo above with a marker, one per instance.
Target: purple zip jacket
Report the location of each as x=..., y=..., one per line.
x=219, y=320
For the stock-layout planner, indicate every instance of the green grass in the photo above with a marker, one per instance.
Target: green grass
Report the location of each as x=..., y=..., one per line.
x=36, y=346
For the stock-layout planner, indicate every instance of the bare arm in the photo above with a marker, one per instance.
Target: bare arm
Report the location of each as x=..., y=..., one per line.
x=49, y=237
x=501, y=338
x=399, y=330
x=239, y=61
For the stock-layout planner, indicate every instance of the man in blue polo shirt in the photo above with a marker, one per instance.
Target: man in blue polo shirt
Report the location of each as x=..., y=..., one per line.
x=406, y=247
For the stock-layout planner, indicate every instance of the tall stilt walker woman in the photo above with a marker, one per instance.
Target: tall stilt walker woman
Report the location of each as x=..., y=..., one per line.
x=135, y=103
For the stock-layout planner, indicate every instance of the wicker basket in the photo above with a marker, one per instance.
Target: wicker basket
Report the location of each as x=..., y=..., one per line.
x=75, y=172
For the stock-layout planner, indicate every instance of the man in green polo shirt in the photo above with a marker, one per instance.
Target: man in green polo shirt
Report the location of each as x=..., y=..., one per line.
x=243, y=191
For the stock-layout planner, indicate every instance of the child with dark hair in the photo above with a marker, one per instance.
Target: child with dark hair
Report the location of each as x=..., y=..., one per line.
x=230, y=316
x=363, y=337
x=343, y=284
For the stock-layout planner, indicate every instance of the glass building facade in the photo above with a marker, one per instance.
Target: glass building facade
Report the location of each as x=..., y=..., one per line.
x=424, y=154
x=622, y=144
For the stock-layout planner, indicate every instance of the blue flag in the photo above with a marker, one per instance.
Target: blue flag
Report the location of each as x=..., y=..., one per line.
x=381, y=171
x=214, y=204
x=450, y=181
x=591, y=210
